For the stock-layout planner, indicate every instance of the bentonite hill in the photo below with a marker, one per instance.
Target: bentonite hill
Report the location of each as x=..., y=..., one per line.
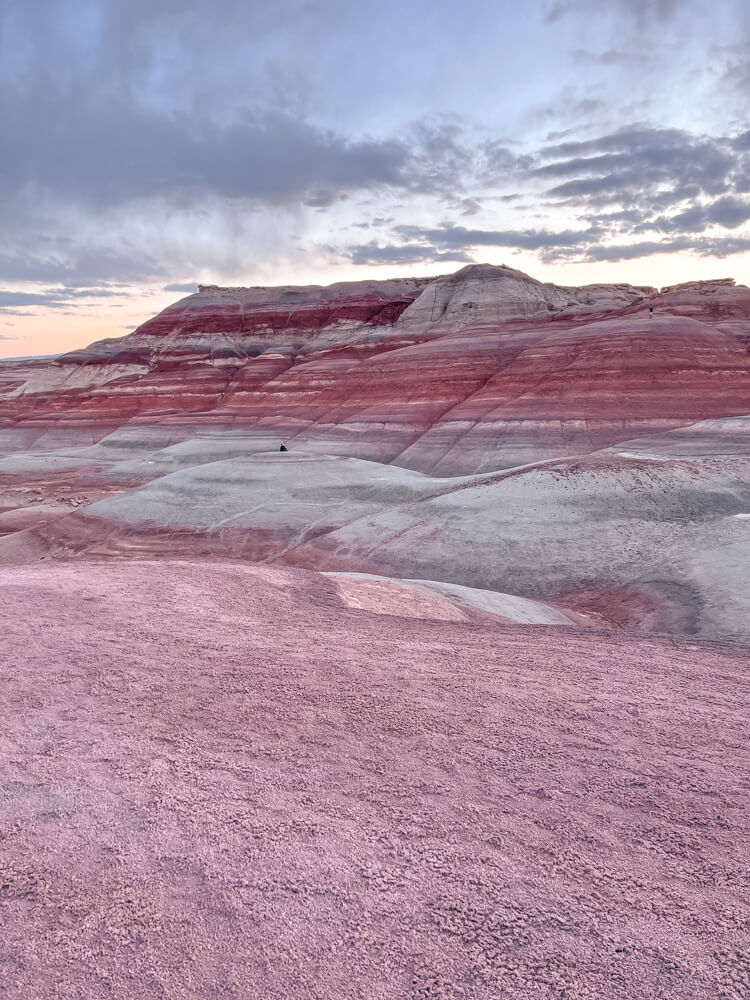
x=444, y=701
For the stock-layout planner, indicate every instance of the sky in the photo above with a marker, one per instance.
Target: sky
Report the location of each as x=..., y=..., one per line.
x=149, y=145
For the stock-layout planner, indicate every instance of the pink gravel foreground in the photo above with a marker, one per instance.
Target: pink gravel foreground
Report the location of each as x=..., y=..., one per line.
x=221, y=781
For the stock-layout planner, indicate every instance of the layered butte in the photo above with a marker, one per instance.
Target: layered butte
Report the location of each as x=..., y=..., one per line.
x=480, y=370
x=586, y=448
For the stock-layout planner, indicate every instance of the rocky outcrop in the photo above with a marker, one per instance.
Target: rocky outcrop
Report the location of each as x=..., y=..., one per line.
x=712, y=300
x=483, y=369
x=484, y=295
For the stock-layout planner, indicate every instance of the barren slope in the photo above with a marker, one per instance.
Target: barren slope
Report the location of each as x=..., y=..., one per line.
x=480, y=429
x=642, y=542
x=231, y=781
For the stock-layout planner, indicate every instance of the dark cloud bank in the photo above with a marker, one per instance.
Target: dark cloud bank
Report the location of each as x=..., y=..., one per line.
x=81, y=139
x=636, y=191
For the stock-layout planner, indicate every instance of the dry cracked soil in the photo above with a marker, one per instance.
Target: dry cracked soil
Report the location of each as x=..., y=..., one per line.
x=227, y=781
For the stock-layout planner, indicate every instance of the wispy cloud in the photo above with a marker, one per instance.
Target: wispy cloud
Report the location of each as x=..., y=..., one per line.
x=54, y=298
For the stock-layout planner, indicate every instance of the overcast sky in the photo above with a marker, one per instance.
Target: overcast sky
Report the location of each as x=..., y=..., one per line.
x=147, y=145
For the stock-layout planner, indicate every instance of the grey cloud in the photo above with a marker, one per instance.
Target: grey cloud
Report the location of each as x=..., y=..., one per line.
x=498, y=161
x=725, y=247
x=612, y=57
x=632, y=251
x=642, y=12
x=405, y=253
x=177, y=286
x=54, y=298
x=613, y=186
x=583, y=165
x=133, y=152
x=717, y=247
x=555, y=13
x=660, y=176
x=735, y=80
x=79, y=266
x=570, y=108
x=656, y=8
x=623, y=139
x=624, y=217
x=109, y=119
x=95, y=292
x=321, y=199
x=31, y=267
x=92, y=111
x=625, y=184
x=440, y=158
x=655, y=171
x=12, y=300
x=598, y=242
x=459, y=238
x=729, y=212
x=470, y=207
x=587, y=106
x=692, y=220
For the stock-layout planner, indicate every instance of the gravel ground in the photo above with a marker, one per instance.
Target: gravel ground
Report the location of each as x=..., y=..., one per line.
x=222, y=781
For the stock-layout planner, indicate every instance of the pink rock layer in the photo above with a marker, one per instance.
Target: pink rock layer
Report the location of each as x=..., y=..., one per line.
x=227, y=781
x=480, y=370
